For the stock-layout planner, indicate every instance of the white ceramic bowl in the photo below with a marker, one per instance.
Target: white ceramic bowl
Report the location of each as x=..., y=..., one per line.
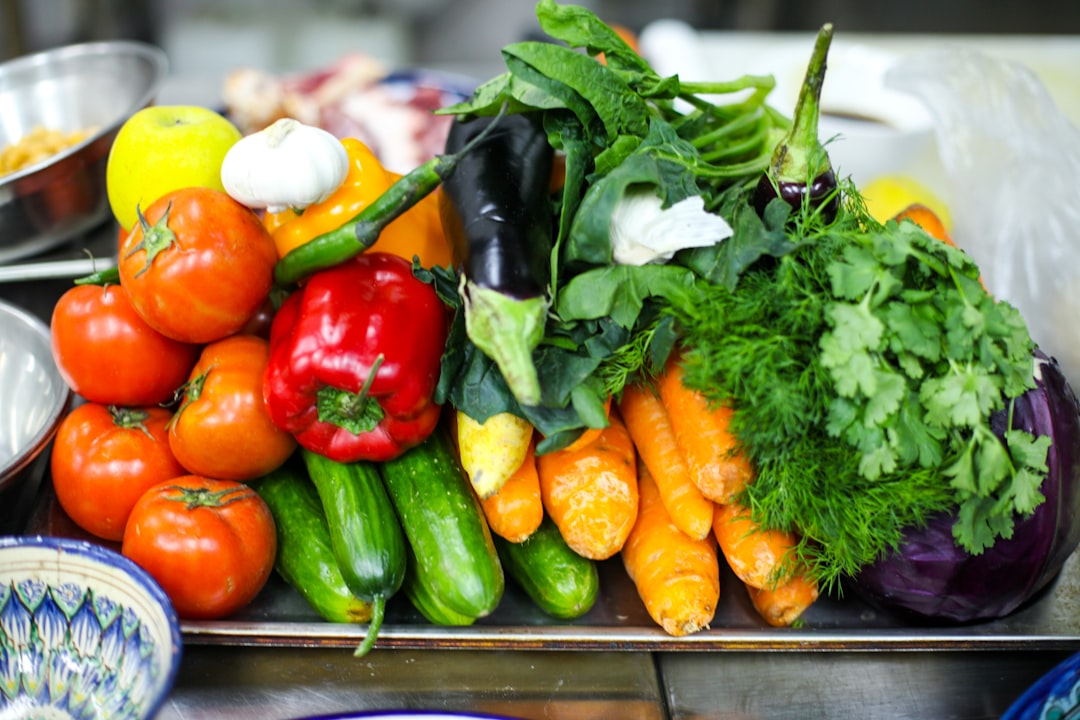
x=84, y=633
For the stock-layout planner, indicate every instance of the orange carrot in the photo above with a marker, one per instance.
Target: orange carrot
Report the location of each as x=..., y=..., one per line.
x=704, y=436
x=591, y=494
x=756, y=555
x=784, y=604
x=650, y=427
x=928, y=220
x=515, y=511
x=677, y=577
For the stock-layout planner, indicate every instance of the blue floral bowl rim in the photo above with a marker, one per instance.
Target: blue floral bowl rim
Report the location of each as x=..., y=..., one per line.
x=145, y=581
x=1034, y=700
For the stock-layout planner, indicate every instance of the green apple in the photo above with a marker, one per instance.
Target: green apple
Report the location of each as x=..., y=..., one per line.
x=163, y=148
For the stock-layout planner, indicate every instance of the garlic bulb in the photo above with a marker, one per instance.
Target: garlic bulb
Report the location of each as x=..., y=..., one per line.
x=286, y=165
x=643, y=231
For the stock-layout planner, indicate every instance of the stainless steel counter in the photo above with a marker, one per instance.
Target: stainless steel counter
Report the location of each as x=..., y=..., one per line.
x=960, y=685
x=280, y=683
x=269, y=683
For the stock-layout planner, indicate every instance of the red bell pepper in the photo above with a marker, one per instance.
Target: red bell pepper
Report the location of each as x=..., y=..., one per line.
x=354, y=360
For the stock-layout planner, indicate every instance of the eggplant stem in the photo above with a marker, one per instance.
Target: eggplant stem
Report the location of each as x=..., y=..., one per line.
x=801, y=157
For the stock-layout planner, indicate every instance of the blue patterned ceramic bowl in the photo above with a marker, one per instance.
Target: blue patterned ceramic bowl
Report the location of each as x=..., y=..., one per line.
x=84, y=633
x=1054, y=696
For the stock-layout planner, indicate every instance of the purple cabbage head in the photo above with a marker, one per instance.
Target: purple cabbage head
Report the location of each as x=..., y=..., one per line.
x=930, y=577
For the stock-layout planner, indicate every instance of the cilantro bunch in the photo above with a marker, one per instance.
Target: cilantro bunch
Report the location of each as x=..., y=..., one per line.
x=865, y=363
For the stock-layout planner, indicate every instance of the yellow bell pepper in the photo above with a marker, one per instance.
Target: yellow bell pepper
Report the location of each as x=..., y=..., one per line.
x=418, y=232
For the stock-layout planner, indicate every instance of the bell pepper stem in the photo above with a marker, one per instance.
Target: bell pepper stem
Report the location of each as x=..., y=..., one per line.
x=356, y=412
x=507, y=330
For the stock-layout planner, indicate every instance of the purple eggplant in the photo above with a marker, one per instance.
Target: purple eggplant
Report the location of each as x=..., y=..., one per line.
x=930, y=577
x=496, y=212
x=800, y=170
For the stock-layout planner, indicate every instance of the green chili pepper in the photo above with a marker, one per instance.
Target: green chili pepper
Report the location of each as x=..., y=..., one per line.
x=361, y=232
x=108, y=276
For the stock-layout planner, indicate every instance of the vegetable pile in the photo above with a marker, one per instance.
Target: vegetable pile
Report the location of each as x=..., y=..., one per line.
x=618, y=319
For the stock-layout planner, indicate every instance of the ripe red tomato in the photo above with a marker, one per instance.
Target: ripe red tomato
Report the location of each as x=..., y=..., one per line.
x=105, y=458
x=107, y=354
x=222, y=429
x=210, y=544
x=198, y=266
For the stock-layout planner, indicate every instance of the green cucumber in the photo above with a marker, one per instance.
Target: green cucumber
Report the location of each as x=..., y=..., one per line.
x=365, y=534
x=562, y=583
x=304, y=558
x=417, y=589
x=445, y=526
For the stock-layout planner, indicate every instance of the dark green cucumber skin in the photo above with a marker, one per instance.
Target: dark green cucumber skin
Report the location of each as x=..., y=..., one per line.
x=364, y=531
x=305, y=559
x=562, y=583
x=445, y=526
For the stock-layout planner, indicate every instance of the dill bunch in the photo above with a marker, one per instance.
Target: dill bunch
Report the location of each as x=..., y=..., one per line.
x=864, y=362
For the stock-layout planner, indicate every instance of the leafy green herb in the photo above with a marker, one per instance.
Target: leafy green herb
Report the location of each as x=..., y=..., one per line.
x=865, y=362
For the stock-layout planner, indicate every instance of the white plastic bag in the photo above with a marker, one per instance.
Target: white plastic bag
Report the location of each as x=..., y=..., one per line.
x=1012, y=168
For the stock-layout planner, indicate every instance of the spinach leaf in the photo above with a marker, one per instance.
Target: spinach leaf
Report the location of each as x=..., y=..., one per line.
x=621, y=110
x=663, y=161
x=580, y=28
x=620, y=291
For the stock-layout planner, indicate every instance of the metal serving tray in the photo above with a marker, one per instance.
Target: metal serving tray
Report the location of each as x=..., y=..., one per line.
x=618, y=621
x=279, y=617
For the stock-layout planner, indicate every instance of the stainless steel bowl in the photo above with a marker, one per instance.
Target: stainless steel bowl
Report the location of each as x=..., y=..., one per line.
x=33, y=396
x=89, y=85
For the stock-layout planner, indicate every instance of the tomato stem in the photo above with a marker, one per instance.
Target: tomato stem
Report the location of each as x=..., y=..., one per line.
x=191, y=391
x=205, y=497
x=156, y=237
x=130, y=418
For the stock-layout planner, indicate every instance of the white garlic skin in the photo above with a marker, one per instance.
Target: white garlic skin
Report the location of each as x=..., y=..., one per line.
x=286, y=165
